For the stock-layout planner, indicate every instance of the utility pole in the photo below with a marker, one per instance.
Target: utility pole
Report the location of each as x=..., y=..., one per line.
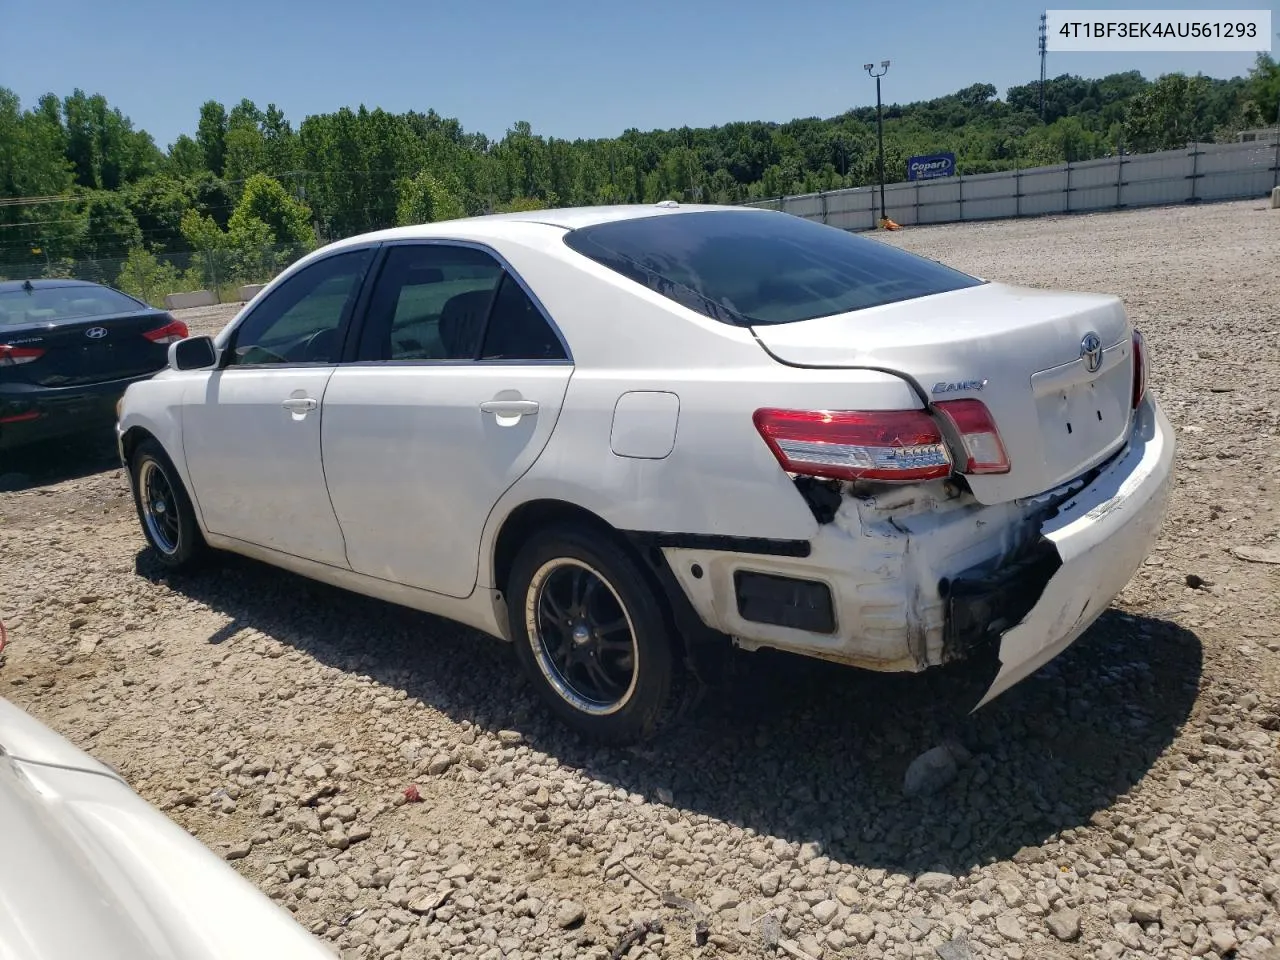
x=1044, y=53
x=884, y=68
x=1276, y=162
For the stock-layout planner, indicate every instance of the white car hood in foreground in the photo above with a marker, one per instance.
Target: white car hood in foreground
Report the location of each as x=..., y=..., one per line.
x=88, y=869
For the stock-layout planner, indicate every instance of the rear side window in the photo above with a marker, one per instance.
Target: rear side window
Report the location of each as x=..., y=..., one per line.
x=430, y=303
x=752, y=268
x=517, y=331
x=437, y=301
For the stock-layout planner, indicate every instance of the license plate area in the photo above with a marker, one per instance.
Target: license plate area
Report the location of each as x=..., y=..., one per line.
x=1082, y=422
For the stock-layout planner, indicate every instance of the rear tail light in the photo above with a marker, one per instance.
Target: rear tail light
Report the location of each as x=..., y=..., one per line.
x=978, y=434
x=884, y=445
x=11, y=356
x=20, y=417
x=171, y=332
x=1141, y=368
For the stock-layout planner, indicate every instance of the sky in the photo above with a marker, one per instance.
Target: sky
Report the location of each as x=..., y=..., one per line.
x=571, y=68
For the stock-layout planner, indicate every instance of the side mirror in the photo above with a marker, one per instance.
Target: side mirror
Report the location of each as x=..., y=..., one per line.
x=193, y=353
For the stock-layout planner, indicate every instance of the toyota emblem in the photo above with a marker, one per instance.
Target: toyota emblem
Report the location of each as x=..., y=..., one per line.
x=96, y=333
x=1091, y=351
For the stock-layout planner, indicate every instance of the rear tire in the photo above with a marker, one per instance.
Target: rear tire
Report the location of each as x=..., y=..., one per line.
x=165, y=511
x=591, y=633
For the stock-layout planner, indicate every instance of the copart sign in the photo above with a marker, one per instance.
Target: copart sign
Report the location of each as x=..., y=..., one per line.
x=935, y=165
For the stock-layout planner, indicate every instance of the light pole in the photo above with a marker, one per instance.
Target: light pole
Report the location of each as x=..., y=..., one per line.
x=884, y=68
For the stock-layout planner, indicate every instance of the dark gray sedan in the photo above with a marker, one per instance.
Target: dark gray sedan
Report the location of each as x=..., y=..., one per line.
x=68, y=350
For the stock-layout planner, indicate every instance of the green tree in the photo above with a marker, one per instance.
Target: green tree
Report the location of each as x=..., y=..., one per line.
x=245, y=154
x=111, y=230
x=211, y=265
x=104, y=149
x=288, y=221
x=147, y=277
x=159, y=203
x=1264, y=88
x=211, y=135
x=521, y=204
x=1170, y=114
x=185, y=158
x=253, y=253
x=424, y=199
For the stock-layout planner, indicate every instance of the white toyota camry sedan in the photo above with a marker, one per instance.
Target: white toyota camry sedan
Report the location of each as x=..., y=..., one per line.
x=624, y=438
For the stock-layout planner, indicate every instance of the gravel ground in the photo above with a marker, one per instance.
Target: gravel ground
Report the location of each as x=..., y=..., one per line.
x=1121, y=803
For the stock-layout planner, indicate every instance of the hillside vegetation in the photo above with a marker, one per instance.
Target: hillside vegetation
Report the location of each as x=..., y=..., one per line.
x=249, y=191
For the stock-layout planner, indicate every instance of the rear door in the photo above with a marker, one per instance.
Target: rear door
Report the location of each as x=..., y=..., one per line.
x=458, y=385
x=251, y=429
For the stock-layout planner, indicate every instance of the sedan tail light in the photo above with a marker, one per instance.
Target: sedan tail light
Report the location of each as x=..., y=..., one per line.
x=11, y=356
x=982, y=444
x=20, y=417
x=895, y=446
x=171, y=332
x=1141, y=368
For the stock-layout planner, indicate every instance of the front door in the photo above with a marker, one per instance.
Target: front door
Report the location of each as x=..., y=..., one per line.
x=251, y=428
x=459, y=383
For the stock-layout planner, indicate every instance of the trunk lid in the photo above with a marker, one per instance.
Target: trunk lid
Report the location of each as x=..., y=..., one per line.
x=1022, y=352
x=85, y=350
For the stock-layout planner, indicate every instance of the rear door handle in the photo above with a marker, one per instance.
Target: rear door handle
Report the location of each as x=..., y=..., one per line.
x=299, y=404
x=510, y=408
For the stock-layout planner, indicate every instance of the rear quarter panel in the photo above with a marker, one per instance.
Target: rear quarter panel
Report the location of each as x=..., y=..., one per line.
x=719, y=477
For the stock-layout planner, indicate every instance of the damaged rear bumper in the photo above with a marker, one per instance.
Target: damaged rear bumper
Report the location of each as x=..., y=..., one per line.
x=1101, y=535
x=917, y=577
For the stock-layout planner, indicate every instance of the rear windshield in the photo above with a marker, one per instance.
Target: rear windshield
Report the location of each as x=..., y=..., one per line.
x=760, y=267
x=43, y=304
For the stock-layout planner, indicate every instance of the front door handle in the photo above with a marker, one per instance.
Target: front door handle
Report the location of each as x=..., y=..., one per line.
x=510, y=408
x=299, y=404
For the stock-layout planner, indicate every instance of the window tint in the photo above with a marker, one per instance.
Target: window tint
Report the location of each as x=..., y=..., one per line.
x=41, y=304
x=430, y=303
x=517, y=330
x=757, y=267
x=299, y=322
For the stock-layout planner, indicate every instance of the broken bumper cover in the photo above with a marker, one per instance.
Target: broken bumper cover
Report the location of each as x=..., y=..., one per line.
x=1102, y=534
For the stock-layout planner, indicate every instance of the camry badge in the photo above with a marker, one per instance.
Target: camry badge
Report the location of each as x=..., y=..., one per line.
x=96, y=333
x=948, y=386
x=1091, y=351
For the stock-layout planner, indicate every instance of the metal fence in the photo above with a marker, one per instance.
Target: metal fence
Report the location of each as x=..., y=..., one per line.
x=1199, y=172
x=152, y=277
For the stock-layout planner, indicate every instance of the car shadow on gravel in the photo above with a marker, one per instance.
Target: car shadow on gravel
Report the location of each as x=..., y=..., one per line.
x=47, y=462
x=792, y=748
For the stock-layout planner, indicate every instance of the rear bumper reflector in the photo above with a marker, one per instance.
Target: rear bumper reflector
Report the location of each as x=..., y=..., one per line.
x=784, y=601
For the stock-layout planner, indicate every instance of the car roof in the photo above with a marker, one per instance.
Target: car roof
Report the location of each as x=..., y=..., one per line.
x=572, y=218
x=8, y=286
x=563, y=218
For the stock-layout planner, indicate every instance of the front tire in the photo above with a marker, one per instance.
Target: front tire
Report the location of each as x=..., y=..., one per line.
x=591, y=634
x=165, y=511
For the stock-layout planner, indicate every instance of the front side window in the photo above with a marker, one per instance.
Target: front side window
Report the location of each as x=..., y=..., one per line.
x=301, y=320
x=749, y=267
